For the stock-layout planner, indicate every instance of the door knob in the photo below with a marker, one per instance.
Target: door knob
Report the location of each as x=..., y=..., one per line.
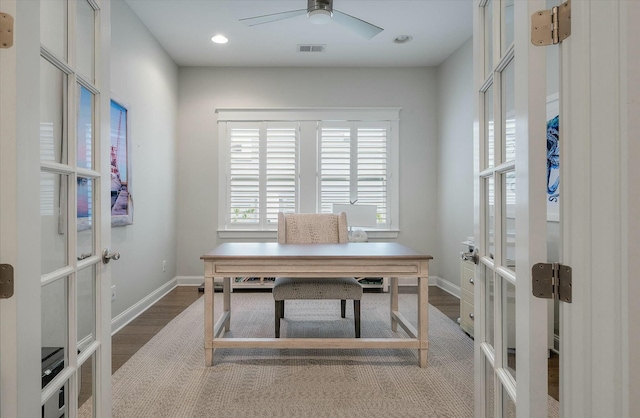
x=107, y=256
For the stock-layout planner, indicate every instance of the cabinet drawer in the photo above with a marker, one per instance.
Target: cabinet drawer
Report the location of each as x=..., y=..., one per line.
x=466, y=317
x=467, y=276
x=466, y=312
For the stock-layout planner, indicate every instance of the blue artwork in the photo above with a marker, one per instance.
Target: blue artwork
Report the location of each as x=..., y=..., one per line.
x=553, y=159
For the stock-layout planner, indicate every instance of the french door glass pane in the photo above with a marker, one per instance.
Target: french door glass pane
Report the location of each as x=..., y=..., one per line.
x=490, y=215
x=85, y=39
x=85, y=217
x=87, y=387
x=53, y=27
x=508, y=407
x=509, y=113
x=85, y=128
x=509, y=220
x=86, y=311
x=53, y=220
x=488, y=37
x=57, y=405
x=489, y=389
x=507, y=30
x=54, y=327
x=489, y=128
x=509, y=326
x=489, y=305
x=53, y=140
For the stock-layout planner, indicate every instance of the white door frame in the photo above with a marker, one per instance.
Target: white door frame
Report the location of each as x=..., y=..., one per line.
x=599, y=335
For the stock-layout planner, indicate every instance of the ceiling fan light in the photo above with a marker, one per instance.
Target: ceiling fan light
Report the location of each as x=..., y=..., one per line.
x=319, y=16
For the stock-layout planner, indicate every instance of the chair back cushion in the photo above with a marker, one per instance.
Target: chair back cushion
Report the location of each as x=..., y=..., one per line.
x=312, y=228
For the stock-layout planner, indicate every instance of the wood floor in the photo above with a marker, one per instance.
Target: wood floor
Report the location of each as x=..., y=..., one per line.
x=132, y=337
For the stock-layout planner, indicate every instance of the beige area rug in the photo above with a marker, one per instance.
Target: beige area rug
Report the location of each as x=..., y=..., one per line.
x=167, y=377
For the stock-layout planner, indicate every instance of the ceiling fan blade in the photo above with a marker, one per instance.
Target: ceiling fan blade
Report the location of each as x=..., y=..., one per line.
x=259, y=20
x=359, y=26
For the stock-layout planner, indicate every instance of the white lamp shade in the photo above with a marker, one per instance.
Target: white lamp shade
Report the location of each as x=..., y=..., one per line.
x=358, y=215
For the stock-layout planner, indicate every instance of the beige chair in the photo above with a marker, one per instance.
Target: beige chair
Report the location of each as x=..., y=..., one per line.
x=312, y=228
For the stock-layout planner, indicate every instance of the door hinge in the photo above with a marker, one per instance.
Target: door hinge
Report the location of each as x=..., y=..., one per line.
x=6, y=30
x=550, y=27
x=551, y=281
x=6, y=281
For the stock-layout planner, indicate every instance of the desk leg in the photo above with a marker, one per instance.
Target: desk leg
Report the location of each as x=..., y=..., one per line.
x=208, y=319
x=226, y=290
x=423, y=319
x=394, y=302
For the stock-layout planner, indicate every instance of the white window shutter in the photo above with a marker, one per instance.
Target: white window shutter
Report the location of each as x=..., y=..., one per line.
x=372, y=169
x=281, y=168
x=244, y=176
x=335, y=167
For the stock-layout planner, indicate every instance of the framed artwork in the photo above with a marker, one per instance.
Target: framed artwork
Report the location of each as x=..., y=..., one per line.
x=553, y=158
x=121, y=200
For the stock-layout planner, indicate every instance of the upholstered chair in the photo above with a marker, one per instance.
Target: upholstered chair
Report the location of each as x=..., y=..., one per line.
x=312, y=228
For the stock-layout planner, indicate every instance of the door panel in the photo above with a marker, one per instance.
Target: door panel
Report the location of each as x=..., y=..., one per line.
x=508, y=343
x=55, y=331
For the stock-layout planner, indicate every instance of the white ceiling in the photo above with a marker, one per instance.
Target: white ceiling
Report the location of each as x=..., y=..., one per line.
x=184, y=29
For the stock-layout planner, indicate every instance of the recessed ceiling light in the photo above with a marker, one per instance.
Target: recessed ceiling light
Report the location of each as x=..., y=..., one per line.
x=220, y=39
x=402, y=39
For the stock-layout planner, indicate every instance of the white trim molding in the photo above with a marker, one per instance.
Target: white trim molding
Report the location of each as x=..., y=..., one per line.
x=145, y=303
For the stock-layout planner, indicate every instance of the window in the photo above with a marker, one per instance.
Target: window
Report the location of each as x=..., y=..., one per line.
x=354, y=165
x=262, y=174
x=305, y=160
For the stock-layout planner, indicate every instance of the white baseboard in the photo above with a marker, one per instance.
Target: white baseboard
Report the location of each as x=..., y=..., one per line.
x=132, y=313
x=447, y=286
x=189, y=280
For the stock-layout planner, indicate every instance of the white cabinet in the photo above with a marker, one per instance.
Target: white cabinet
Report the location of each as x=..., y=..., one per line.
x=467, y=273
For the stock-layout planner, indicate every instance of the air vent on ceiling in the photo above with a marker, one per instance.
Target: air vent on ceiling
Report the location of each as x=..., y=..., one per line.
x=311, y=48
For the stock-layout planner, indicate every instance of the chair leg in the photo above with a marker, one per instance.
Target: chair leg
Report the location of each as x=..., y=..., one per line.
x=343, y=308
x=278, y=315
x=356, y=316
x=282, y=308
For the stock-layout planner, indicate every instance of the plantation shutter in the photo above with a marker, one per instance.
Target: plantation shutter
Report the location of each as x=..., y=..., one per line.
x=354, y=166
x=372, y=169
x=335, y=166
x=244, y=175
x=281, y=167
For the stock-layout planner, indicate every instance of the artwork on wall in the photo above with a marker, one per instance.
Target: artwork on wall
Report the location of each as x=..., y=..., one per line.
x=121, y=201
x=553, y=158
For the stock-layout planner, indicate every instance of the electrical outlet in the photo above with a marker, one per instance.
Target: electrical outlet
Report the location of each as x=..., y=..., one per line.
x=164, y=265
x=113, y=292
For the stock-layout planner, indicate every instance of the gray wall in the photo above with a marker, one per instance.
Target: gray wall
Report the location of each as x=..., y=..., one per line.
x=202, y=90
x=144, y=78
x=455, y=159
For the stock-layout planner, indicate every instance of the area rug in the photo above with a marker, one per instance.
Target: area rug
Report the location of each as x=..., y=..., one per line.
x=167, y=377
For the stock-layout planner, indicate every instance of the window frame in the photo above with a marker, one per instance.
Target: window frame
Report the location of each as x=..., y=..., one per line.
x=309, y=121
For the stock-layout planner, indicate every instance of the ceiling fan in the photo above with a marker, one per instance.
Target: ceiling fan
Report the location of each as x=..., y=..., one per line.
x=319, y=12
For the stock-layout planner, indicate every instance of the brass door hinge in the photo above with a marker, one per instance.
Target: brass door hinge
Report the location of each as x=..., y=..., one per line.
x=6, y=281
x=551, y=281
x=550, y=27
x=6, y=30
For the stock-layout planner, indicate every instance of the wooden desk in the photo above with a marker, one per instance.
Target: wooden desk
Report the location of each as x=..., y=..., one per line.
x=362, y=259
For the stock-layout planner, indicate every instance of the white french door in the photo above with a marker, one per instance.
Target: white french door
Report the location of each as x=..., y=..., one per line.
x=55, y=344
x=510, y=211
